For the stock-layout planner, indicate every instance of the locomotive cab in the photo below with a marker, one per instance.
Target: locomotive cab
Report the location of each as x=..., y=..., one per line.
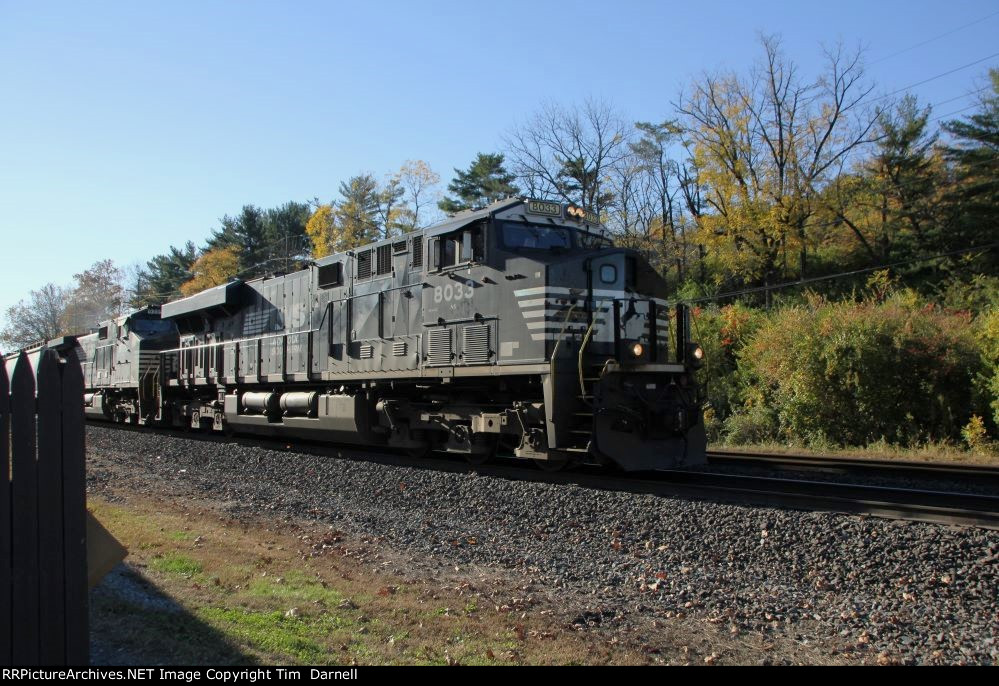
x=544, y=282
x=121, y=365
x=537, y=288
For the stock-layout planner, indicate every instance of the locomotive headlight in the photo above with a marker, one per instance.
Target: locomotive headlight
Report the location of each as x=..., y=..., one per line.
x=637, y=349
x=695, y=354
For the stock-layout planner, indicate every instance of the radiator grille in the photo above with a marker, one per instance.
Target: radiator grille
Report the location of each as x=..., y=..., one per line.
x=438, y=347
x=384, y=259
x=475, y=344
x=364, y=264
x=399, y=247
x=418, y=251
x=399, y=348
x=367, y=351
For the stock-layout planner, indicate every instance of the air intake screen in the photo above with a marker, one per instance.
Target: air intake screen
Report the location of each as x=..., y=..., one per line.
x=438, y=347
x=364, y=264
x=384, y=259
x=418, y=251
x=475, y=344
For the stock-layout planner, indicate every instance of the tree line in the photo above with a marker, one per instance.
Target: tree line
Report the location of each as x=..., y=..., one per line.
x=756, y=178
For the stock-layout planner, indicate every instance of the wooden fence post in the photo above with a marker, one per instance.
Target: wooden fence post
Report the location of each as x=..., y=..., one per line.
x=51, y=586
x=5, y=552
x=24, y=518
x=74, y=470
x=43, y=574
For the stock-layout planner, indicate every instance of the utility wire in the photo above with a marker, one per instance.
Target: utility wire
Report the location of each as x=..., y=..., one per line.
x=812, y=226
x=841, y=275
x=914, y=184
x=934, y=78
x=935, y=38
x=951, y=114
x=958, y=97
x=819, y=225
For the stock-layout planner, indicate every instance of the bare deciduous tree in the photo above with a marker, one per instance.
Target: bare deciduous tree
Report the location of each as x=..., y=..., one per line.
x=420, y=192
x=35, y=319
x=99, y=295
x=766, y=145
x=567, y=153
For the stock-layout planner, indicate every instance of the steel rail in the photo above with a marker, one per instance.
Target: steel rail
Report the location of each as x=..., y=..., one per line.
x=942, y=507
x=981, y=474
x=939, y=507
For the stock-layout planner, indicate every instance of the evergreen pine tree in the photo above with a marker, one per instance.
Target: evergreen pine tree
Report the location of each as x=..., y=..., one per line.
x=485, y=181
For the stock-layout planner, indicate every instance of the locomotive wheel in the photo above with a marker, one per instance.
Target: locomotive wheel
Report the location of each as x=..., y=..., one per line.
x=480, y=458
x=552, y=464
x=418, y=452
x=476, y=459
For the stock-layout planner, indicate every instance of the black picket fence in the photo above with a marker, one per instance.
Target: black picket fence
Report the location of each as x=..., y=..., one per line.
x=43, y=546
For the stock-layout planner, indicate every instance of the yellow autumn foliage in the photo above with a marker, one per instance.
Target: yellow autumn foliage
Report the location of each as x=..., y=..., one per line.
x=213, y=268
x=322, y=231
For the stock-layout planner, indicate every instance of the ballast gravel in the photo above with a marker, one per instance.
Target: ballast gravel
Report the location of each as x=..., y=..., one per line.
x=892, y=591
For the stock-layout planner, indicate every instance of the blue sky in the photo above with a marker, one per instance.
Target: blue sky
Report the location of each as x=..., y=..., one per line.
x=127, y=127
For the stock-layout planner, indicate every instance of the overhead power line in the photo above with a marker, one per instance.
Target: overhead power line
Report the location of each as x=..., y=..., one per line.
x=934, y=38
x=965, y=95
x=840, y=275
x=951, y=114
x=938, y=76
x=819, y=225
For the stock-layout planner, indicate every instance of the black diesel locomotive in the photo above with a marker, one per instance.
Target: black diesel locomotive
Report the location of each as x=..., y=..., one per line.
x=518, y=329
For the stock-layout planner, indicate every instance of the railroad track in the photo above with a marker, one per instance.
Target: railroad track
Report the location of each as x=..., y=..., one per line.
x=858, y=466
x=940, y=507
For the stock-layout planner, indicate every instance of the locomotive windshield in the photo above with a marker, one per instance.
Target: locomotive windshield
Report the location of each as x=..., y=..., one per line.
x=516, y=236
x=593, y=240
x=147, y=327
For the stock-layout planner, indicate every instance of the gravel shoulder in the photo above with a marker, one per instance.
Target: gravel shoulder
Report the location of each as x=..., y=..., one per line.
x=665, y=579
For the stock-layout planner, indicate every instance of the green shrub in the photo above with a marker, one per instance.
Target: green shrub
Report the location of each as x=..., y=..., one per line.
x=977, y=293
x=855, y=373
x=974, y=434
x=987, y=331
x=751, y=425
x=722, y=332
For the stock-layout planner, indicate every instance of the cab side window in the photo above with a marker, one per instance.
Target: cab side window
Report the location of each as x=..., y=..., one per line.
x=449, y=249
x=458, y=248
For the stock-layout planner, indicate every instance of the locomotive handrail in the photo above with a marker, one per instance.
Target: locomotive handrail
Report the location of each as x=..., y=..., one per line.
x=617, y=328
x=653, y=332
x=150, y=371
x=480, y=318
x=236, y=340
x=558, y=342
x=582, y=349
x=322, y=320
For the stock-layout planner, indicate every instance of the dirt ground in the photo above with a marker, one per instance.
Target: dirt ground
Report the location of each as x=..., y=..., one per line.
x=200, y=587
